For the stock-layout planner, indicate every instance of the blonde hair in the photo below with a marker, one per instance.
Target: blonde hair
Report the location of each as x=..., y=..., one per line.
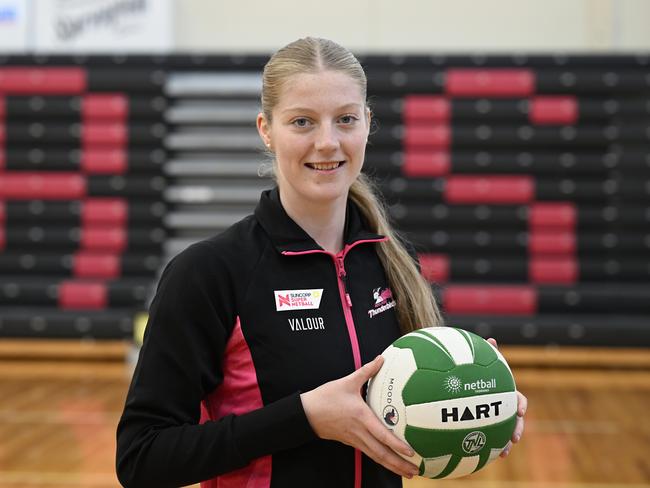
x=415, y=304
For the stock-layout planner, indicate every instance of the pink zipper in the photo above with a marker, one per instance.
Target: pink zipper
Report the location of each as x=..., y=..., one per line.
x=349, y=321
x=347, y=307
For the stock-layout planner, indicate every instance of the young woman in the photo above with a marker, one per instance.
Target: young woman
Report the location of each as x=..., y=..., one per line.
x=260, y=339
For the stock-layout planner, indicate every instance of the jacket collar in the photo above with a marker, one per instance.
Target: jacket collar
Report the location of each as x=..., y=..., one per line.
x=287, y=235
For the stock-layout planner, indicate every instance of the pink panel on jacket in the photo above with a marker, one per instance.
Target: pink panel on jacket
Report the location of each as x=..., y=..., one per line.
x=239, y=393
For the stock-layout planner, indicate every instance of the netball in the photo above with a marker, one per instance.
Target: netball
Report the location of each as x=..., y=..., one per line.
x=450, y=395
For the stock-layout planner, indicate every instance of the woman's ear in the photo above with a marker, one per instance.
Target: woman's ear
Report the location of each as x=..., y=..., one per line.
x=264, y=130
x=369, y=121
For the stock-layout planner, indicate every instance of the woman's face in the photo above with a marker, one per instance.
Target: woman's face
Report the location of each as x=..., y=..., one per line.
x=318, y=134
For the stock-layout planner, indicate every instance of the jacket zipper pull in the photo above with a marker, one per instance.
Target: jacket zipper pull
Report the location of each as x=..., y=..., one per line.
x=344, y=278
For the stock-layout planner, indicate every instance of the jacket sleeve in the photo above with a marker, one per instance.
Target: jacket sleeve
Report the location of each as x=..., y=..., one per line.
x=159, y=439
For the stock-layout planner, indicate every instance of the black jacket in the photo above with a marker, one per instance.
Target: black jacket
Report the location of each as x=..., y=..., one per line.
x=241, y=324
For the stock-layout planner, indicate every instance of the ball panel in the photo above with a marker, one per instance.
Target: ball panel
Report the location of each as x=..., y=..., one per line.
x=461, y=443
x=384, y=389
x=470, y=413
x=454, y=342
x=484, y=353
x=464, y=381
x=426, y=351
x=500, y=356
x=432, y=467
x=494, y=454
x=465, y=466
x=451, y=465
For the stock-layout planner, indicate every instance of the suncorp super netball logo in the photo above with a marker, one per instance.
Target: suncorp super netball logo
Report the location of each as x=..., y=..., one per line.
x=286, y=300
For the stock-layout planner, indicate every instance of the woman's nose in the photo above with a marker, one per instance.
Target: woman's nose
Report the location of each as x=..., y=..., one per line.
x=327, y=139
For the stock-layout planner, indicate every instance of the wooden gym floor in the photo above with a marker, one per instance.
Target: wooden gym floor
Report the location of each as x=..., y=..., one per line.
x=588, y=423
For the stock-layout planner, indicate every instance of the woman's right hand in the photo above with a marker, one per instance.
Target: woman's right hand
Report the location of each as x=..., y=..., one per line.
x=336, y=411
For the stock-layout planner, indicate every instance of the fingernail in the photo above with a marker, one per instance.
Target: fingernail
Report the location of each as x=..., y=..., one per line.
x=410, y=452
x=517, y=437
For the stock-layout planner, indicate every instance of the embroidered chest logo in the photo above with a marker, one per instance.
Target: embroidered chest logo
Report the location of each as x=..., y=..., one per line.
x=286, y=300
x=383, y=301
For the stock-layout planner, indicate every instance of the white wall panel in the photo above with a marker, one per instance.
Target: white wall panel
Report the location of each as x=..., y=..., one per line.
x=417, y=25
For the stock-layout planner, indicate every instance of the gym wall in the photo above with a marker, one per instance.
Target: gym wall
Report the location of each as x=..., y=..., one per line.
x=386, y=26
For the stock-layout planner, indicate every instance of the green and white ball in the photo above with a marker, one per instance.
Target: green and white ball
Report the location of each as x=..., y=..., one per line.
x=450, y=395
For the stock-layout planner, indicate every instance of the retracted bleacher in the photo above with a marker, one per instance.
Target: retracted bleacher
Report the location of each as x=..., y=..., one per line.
x=523, y=181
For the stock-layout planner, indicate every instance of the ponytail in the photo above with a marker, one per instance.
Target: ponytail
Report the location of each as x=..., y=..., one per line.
x=416, y=306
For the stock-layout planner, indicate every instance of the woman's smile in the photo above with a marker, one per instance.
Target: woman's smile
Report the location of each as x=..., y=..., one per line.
x=327, y=166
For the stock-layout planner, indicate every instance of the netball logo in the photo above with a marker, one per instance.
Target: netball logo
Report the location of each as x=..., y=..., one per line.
x=474, y=442
x=453, y=384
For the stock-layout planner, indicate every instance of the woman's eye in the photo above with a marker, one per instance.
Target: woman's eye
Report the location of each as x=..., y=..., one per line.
x=302, y=122
x=347, y=119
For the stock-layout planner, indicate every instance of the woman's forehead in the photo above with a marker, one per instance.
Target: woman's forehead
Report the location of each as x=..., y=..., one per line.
x=332, y=87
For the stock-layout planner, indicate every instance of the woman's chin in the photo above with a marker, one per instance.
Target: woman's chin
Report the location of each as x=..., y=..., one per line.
x=328, y=193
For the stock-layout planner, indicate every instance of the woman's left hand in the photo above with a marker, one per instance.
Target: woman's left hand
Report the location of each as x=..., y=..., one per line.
x=522, y=405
